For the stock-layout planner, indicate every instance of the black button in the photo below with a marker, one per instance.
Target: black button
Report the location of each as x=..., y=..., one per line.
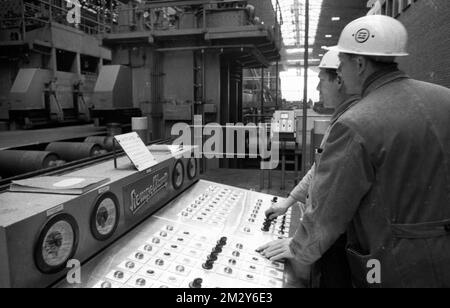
x=212, y=257
x=196, y=284
x=208, y=265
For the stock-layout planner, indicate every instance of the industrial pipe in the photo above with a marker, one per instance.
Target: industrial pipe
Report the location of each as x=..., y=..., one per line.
x=72, y=151
x=13, y=162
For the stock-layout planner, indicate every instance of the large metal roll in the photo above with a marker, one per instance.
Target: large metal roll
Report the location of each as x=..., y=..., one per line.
x=105, y=142
x=72, y=151
x=14, y=162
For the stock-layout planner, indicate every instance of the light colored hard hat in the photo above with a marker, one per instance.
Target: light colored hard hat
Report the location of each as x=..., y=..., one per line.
x=374, y=35
x=330, y=60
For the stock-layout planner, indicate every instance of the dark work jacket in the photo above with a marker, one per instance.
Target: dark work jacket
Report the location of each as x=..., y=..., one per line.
x=384, y=178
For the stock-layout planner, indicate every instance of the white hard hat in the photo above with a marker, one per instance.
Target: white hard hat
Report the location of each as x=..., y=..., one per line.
x=330, y=60
x=374, y=35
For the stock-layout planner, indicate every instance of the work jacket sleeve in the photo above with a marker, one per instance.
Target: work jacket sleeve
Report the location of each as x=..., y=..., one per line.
x=300, y=192
x=342, y=178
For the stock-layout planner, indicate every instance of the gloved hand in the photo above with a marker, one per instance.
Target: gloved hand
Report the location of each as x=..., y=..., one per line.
x=278, y=209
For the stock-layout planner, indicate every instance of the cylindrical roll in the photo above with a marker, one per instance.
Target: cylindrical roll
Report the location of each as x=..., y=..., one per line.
x=72, y=151
x=14, y=162
x=105, y=142
x=140, y=126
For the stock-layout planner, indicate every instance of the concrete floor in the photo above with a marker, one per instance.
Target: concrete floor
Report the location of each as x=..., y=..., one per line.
x=250, y=179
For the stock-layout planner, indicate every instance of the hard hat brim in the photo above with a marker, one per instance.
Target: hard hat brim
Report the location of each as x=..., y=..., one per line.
x=365, y=53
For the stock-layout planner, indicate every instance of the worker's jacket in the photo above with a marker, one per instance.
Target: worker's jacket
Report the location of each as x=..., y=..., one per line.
x=301, y=191
x=384, y=178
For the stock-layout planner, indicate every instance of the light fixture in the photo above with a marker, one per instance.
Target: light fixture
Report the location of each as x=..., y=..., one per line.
x=328, y=36
x=335, y=18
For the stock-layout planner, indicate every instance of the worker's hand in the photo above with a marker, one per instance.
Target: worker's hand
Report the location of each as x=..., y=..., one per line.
x=278, y=210
x=277, y=250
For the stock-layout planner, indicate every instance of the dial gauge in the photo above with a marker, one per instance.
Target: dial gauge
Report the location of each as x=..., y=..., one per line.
x=57, y=244
x=192, y=168
x=178, y=175
x=105, y=217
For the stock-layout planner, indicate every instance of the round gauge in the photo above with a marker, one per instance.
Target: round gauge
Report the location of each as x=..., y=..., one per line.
x=178, y=175
x=57, y=244
x=192, y=168
x=105, y=217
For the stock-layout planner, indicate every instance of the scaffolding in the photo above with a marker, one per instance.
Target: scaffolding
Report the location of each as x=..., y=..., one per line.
x=17, y=17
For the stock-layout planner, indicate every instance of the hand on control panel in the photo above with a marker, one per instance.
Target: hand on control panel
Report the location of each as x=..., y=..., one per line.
x=277, y=250
x=278, y=209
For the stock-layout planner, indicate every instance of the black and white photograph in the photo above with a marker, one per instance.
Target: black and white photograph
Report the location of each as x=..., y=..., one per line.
x=229, y=150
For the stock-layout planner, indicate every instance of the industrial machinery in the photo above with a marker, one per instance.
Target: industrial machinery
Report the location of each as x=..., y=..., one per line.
x=284, y=122
x=50, y=64
x=201, y=234
x=206, y=238
x=49, y=230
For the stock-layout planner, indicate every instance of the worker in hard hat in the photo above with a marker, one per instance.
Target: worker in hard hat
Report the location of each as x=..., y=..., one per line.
x=384, y=174
x=334, y=95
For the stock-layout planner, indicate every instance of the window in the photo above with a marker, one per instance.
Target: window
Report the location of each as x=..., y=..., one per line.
x=65, y=61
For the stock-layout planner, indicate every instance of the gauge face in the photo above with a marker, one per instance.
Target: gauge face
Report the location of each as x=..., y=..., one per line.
x=57, y=244
x=105, y=217
x=178, y=175
x=192, y=168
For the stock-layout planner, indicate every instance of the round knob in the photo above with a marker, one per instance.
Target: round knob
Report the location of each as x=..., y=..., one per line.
x=217, y=249
x=208, y=265
x=212, y=257
x=196, y=284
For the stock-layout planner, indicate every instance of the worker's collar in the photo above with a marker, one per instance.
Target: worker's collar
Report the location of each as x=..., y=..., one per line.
x=382, y=77
x=342, y=108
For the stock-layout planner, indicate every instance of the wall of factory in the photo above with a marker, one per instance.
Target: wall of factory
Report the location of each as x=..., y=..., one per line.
x=428, y=24
x=6, y=80
x=142, y=69
x=70, y=39
x=178, y=72
x=213, y=81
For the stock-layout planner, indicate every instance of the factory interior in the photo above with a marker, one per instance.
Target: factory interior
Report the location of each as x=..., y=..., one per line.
x=145, y=141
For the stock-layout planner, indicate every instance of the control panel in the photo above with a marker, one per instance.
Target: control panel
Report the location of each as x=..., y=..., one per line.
x=41, y=233
x=283, y=122
x=206, y=238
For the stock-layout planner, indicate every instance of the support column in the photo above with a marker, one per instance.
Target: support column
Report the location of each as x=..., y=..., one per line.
x=262, y=90
x=53, y=61
x=77, y=65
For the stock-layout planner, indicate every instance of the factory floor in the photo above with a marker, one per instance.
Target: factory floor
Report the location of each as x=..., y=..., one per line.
x=250, y=179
